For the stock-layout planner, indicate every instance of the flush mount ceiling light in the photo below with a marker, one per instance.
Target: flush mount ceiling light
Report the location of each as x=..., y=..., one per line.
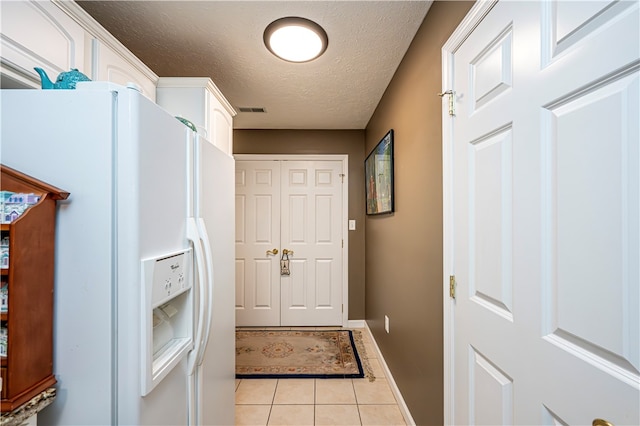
x=295, y=39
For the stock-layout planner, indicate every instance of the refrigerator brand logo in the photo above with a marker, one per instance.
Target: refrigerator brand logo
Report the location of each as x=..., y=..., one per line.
x=175, y=266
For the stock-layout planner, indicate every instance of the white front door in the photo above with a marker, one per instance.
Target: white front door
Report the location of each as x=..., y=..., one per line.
x=258, y=243
x=311, y=215
x=542, y=220
x=293, y=205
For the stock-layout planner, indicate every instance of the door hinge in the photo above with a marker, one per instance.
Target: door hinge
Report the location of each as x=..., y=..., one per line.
x=343, y=308
x=342, y=243
x=451, y=94
x=452, y=286
x=342, y=175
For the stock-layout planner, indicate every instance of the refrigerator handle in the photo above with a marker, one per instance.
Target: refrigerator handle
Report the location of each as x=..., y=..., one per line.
x=200, y=289
x=206, y=243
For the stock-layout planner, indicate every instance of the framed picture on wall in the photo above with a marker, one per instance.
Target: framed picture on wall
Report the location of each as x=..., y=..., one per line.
x=378, y=169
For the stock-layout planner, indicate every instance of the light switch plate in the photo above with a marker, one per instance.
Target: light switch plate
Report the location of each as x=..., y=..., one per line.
x=352, y=225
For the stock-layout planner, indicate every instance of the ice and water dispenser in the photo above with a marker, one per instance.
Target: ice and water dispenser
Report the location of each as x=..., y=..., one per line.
x=167, y=315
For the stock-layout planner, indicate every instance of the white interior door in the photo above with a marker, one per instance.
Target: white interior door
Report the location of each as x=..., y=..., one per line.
x=257, y=243
x=311, y=228
x=295, y=205
x=543, y=214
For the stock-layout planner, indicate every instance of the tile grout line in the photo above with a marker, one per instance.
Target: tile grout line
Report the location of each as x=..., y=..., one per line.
x=315, y=382
x=273, y=400
x=355, y=396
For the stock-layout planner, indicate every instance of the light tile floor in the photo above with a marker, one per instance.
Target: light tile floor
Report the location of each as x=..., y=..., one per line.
x=328, y=402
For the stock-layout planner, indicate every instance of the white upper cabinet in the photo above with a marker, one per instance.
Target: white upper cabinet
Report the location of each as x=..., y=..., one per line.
x=198, y=100
x=38, y=34
x=58, y=36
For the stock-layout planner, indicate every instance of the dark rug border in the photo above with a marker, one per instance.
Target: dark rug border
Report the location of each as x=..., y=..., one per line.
x=310, y=376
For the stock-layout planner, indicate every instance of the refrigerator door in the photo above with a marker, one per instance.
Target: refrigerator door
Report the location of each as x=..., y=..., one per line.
x=214, y=205
x=67, y=139
x=123, y=159
x=151, y=216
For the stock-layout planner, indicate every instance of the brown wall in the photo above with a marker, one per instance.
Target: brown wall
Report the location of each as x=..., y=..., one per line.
x=404, y=250
x=350, y=142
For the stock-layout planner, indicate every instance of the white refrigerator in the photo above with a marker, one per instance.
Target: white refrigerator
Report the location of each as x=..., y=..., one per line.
x=144, y=271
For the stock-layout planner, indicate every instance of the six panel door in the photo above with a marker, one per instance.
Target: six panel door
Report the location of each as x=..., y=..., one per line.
x=257, y=239
x=546, y=215
x=311, y=227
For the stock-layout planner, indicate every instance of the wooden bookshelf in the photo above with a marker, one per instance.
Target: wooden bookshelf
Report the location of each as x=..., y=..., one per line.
x=27, y=370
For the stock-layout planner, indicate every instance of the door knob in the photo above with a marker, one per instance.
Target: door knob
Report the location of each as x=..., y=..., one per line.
x=274, y=251
x=601, y=422
x=285, y=251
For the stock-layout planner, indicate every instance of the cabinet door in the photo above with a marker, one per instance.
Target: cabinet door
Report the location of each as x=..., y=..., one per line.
x=110, y=65
x=220, y=125
x=38, y=34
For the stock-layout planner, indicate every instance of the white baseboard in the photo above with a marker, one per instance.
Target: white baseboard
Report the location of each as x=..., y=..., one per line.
x=392, y=383
x=355, y=324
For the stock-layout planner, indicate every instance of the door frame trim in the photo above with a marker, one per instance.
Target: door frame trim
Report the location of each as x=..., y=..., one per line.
x=344, y=158
x=473, y=18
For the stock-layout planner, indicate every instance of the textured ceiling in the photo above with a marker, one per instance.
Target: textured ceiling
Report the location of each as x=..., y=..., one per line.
x=223, y=40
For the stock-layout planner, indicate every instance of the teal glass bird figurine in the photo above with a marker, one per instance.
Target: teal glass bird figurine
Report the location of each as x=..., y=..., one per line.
x=188, y=123
x=66, y=80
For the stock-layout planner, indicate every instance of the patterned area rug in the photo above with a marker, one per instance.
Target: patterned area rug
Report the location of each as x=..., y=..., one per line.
x=295, y=354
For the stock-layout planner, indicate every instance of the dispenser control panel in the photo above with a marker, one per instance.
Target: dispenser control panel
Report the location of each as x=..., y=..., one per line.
x=169, y=276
